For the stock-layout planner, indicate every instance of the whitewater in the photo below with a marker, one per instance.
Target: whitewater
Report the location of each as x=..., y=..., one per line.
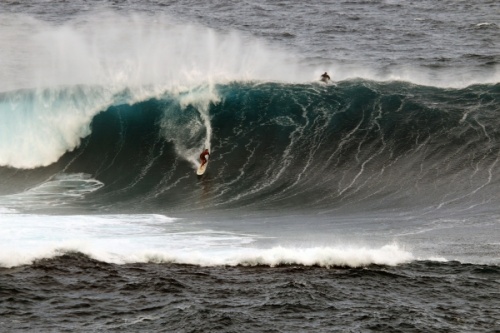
x=379, y=187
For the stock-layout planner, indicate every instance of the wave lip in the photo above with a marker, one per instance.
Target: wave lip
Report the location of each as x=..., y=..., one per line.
x=39, y=126
x=376, y=138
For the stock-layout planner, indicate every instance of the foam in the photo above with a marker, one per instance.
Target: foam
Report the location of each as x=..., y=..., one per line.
x=59, y=190
x=317, y=256
x=110, y=238
x=147, y=238
x=338, y=256
x=4, y=210
x=152, y=54
x=58, y=77
x=118, y=51
x=197, y=134
x=38, y=126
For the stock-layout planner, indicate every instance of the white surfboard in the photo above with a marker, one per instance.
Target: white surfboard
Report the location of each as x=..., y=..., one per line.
x=201, y=169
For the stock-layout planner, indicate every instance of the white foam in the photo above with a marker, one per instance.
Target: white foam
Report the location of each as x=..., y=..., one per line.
x=197, y=133
x=437, y=259
x=150, y=54
x=59, y=190
x=76, y=69
x=112, y=50
x=485, y=24
x=112, y=238
x=4, y=210
x=338, y=256
x=37, y=127
x=156, y=238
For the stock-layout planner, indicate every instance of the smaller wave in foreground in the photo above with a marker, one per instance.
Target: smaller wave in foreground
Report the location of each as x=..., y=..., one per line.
x=152, y=238
x=328, y=257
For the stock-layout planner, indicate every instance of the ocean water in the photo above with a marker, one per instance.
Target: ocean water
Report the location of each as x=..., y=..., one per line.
x=366, y=204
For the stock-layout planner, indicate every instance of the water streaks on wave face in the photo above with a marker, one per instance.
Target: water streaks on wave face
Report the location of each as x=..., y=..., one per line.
x=104, y=111
x=413, y=160
x=115, y=124
x=356, y=145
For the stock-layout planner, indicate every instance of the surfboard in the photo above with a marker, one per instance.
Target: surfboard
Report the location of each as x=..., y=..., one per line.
x=201, y=169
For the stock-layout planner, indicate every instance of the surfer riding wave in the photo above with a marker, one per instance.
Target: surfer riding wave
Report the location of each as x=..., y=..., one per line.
x=203, y=157
x=325, y=77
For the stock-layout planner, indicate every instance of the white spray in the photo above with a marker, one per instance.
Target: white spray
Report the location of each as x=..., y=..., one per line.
x=124, y=59
x=145, y=56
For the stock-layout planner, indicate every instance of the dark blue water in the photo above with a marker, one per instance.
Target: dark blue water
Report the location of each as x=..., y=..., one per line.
x=368, y=203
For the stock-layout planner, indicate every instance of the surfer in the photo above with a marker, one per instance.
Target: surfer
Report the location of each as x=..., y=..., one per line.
x=325, y=77
x=203, y=158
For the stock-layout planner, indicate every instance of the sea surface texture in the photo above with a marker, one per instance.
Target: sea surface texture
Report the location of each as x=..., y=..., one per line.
x=369, y=203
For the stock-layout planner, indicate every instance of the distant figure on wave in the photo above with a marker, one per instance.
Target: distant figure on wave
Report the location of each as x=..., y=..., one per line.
x=325, y=77
x=203, y=158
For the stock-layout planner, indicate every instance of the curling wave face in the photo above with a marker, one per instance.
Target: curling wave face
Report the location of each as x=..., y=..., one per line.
x=359, y=145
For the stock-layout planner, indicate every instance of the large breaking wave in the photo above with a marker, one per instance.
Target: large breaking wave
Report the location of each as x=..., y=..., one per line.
x=103, y=116
x=357, y=145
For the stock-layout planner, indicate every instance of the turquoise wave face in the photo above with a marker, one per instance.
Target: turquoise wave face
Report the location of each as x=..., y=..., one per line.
x=358, y=145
